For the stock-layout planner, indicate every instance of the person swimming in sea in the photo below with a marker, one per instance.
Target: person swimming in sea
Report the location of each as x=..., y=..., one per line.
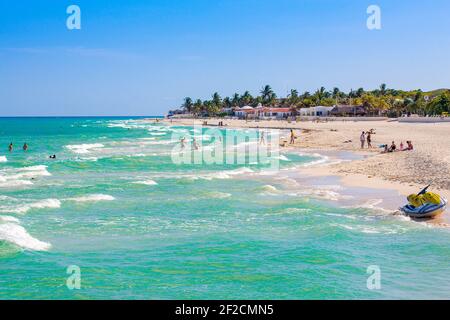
x=53, y=156
x=195, y=145
x=183, y=143
x=25, y=147
x=10, y=147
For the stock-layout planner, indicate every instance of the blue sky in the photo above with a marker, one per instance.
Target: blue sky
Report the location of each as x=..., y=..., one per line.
x=142, y=57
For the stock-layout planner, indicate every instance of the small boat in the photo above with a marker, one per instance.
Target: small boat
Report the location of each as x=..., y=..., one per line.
x=427, y=210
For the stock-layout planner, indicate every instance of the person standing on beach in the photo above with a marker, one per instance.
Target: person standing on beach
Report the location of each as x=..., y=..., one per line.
x=369, y=140
x=362, y=139
x=25, y=147
x=292, y=137
x=10, y=148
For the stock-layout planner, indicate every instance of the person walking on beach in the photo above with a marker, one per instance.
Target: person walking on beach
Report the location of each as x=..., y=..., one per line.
x=10, y=148
x=292, y=137
x=362, y=139
x=25, y=147
x=369, y=140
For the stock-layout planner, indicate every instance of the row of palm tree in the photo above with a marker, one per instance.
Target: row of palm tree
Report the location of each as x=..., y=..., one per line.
x=381, y=100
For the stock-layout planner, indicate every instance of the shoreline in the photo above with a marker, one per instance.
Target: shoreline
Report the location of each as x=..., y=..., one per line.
x=366, y=168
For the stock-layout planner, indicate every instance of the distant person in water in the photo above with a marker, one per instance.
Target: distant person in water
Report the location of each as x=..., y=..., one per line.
x=11, y=147
x=53, y=156
x=25, y=147
x=362, y=138
x=183, y=143
x=262, y=139
x=195, y=144
x=292, y=137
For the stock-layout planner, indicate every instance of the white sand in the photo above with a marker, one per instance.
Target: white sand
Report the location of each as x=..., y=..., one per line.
x=407, y=172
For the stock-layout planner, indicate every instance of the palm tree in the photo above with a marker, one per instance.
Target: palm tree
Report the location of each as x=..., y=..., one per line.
x=236, y=99
x=187, y=104
x=320, y=94
x=227, y=102
x=246, y=98
x=197, y=108
x=267, y=93
x=216, y=99
x=383, y=89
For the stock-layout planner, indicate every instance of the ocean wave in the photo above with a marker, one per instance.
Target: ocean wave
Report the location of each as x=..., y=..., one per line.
x=217, y=195
x=372, y=204
x=322, y=193
x=158, y=133
x=322, y=160
x=92, y=198
x=14, y=177
x=3, y=159
x=268, y=188
x=16, y=234
x=147, y=182
x=84, y=148
x=9, y=219
x=24, y=208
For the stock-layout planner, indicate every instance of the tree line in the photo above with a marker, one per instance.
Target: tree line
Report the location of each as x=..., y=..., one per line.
x=383, y=100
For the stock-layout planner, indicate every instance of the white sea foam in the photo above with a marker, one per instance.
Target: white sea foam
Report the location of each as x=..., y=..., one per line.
x=3, y=159
x=92, y=198
x=157, y=133
x=218, y=195
x=147, y=182
x=269, y=188
x=84, y=148
x=16, y=234
x=24, y=208
x=282, y=158
x=9, y=219
x=372, y=204
x=15, y=177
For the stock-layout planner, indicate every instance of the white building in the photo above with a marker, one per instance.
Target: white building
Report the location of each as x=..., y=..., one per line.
x=319, y=111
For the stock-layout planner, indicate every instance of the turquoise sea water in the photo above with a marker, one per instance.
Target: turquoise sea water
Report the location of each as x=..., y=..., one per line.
x=139, y=226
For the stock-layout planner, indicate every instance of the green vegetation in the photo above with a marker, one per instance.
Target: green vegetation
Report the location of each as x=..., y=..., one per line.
x=383, y=100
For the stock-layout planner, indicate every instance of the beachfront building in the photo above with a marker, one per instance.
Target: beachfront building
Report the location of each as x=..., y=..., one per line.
x=261, y=112
x=319, y=111
x=348, y=111
x=244, y=112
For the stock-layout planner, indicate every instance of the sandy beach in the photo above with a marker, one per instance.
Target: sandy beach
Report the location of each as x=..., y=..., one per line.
x=406, y=172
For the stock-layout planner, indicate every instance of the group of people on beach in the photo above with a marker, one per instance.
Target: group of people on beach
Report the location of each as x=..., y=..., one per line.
x=11, y=147
x=367, y=136
x=393, y=147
